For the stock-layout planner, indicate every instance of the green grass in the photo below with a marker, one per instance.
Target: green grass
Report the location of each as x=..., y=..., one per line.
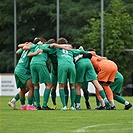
x=57, y=121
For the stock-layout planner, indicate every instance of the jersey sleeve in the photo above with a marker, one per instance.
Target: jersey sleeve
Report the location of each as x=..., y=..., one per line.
x=78, y=51
x=20, y=51
x=33, y=46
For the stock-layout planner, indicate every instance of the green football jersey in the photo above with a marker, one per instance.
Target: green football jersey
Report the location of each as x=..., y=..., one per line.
x=24, y=60
x=52, y=55
x=41, y=58
x=65, y=57
x=78, y=51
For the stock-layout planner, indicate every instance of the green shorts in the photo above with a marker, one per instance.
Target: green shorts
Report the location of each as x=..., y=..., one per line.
x=66, y=72
x=85, y=71
x=21, y=77
x=85, y=85
x=116, y=86
x=40, y=74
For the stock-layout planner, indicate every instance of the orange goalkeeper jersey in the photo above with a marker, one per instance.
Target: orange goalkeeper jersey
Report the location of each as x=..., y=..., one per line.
x=106, y=68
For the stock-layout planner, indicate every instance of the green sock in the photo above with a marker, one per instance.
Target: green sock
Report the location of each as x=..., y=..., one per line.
x=46, y=96
x=102, y=94
x=73, y=96
x=78, y=98
x=17, y=97
x=66, y=95
x=62, y=97
x=119, y=99
x=30, y=101
x=53, y=96
x=22, y=101
x=34, y=100
x=97, y=101
x=86, y=96
x=37, y=97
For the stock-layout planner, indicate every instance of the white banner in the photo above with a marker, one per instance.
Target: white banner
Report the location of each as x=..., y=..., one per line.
x=8, y=86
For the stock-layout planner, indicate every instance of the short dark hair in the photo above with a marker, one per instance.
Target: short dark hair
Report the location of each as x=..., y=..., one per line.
x=50, y=41
x=91, y=49
x=37, y=39
x=62, y=40
x=76, y=46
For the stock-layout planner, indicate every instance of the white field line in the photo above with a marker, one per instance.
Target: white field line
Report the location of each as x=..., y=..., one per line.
x=98, y=125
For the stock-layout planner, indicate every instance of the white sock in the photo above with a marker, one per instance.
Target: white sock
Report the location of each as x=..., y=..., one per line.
x=35, y=103
x=126, y=103
x=112, y=103
x=102, y=103
x=13, y=100
x=78, y=105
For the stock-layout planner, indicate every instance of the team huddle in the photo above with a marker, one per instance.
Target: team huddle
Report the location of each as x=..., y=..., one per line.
x=70, y=64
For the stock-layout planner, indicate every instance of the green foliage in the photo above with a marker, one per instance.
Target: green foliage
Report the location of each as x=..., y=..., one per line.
x=79, y=22
x=74, y=15
x=6, y=60
x=38, y=18
x=118, y=35
x=6, y=25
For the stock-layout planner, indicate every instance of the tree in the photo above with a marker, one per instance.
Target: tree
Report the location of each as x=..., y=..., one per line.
x=38, y=18
x=79, y=22
x=118, y=35
x=34, y=18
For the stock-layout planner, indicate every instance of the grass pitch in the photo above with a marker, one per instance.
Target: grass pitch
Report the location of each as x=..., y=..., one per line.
x=57, y=121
